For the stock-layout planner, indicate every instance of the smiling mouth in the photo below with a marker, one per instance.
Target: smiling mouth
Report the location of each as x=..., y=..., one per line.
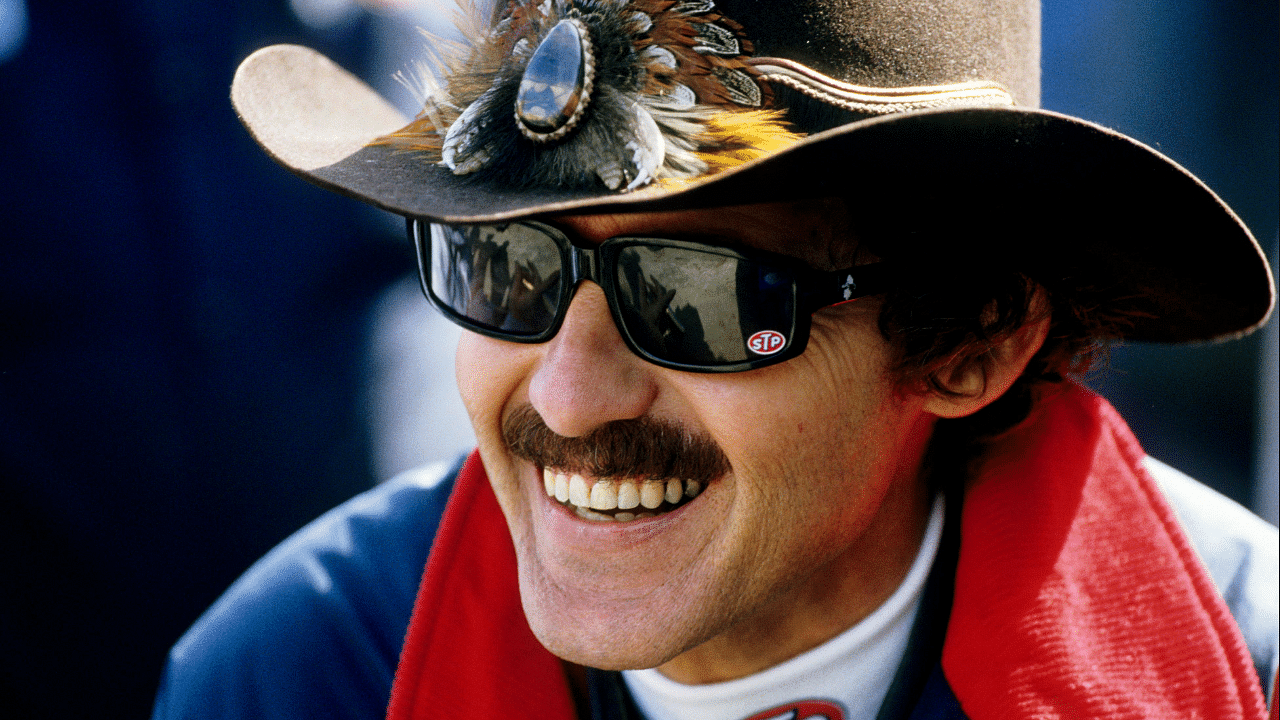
x=617, y=500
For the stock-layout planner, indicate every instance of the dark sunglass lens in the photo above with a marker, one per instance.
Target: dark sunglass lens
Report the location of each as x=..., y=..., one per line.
x=504, y=278
x=703, y=308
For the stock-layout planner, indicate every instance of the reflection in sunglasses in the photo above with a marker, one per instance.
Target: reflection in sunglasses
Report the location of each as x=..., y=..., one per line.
x=651, y=319
x=527, y=301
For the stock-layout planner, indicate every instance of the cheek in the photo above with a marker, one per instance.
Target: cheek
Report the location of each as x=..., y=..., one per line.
x=489, y=374
x=870, y=420
x=492, y=376
x=470, y=372
x=828, y=424
x=779, y=420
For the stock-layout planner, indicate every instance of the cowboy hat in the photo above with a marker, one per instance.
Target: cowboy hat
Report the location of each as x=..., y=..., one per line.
x=923, y=116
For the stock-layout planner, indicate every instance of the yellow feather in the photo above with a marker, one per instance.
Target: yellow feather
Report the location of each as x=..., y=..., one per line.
x=732, y=138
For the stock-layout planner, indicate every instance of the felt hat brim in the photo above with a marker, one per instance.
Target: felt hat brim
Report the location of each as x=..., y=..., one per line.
x=1052, y=193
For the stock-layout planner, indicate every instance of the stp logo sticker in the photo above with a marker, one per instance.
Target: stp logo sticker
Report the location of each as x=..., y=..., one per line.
x=803, y=710
x=766, y=342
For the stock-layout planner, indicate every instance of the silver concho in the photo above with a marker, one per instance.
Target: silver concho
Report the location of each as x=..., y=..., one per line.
x=557, y=83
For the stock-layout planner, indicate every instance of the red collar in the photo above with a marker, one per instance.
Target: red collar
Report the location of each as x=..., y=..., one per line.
x=1077, y=595
x=469, y=653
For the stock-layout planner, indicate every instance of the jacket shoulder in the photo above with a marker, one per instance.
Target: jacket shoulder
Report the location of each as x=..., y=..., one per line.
x=314, y=629
x=1242, y=554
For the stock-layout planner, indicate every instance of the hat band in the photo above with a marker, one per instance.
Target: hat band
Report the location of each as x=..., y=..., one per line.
x=874, y=100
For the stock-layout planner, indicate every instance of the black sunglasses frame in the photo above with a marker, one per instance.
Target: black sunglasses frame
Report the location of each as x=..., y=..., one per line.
x=814, y=289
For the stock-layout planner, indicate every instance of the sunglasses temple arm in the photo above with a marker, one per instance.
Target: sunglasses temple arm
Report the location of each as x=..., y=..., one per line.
x=833, y=288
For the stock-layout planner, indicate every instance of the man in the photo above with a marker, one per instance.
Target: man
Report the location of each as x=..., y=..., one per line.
x=758, y=439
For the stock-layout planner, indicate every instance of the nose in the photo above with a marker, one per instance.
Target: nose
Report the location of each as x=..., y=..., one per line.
x=587, y=376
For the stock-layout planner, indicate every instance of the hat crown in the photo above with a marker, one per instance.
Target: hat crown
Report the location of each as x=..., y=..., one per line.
x=902, y=43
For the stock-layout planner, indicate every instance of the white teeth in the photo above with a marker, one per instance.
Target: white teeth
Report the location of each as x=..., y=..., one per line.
x=674, y=491
x=609, y=494
x=586, y=514
x=651, y=493
x=628, y=495
x=578, y=493
x=604, y=495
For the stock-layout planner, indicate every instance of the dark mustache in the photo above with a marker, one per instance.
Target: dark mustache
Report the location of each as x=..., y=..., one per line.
x=642, y=448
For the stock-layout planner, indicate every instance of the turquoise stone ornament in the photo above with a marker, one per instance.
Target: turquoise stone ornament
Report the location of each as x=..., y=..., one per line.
x=557, y=83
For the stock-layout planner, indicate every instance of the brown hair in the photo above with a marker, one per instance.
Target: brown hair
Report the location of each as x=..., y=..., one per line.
x=960, y=309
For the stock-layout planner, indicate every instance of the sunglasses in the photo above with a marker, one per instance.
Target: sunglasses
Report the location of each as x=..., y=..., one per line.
x=678, y=304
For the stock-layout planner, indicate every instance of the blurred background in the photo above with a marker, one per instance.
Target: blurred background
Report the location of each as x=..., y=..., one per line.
x=199, y=353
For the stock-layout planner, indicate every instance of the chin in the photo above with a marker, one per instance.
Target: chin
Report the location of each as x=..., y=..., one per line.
x=609, y=650
x=609, y=639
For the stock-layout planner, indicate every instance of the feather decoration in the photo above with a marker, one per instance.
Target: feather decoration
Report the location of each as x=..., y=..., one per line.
x=583, y=93
x=452, y=69
x=736, y=138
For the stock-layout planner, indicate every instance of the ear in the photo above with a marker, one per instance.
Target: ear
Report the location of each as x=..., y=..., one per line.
x=973, y=382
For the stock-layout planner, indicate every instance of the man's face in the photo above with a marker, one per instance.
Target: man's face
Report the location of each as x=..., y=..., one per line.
x=818, y=501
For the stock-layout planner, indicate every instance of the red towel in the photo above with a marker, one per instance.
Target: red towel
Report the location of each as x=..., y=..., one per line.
x=1077, y=594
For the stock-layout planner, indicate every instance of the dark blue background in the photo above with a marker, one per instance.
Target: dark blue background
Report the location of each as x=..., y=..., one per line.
x=182, y=322
x=1197, y=80
x=182, y=325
